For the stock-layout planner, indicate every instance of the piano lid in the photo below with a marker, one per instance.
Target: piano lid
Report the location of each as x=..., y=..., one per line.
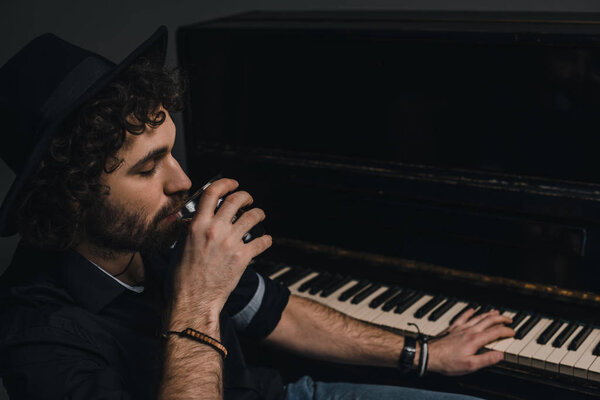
x=461, y=139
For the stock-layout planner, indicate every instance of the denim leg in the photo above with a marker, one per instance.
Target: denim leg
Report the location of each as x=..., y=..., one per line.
x=307, y=389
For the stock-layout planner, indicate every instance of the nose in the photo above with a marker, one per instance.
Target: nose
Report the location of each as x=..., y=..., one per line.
x=176, y=179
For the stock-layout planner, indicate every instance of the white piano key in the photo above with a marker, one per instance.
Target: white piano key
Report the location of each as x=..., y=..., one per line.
x=426, y=326
x=539, y=357
x=379, y=315
x=514, y=351
x=554, y=359
x=362, y=310
x=567, y=364
x=376, y=312
x=389, y=318
x=594, y=370
x=386, y=317
x=444, y=321
x=582, y=365
x=332, y=300
x=502, y=344
x=400, y=321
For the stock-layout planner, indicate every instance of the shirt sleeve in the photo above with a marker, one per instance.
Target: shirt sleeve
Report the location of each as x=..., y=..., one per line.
x=49, y=363
x=256, y=304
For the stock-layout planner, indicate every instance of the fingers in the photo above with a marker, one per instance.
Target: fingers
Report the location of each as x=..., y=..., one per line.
x=456, y=353
x=475, y=320
x=258, y=245
x=491, y=319
x=464, y=317
x=232, y=204
x=491, y=334
x=486, y=359
x=212, y=194
x=248, y=220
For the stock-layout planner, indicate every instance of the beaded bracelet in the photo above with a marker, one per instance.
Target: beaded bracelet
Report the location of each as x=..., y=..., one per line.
x=199, y=337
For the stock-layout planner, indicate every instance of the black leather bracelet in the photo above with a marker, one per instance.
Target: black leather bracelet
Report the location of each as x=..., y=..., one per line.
x=407, y=356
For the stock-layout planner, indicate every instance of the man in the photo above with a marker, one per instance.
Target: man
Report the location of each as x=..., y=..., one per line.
x=99, y=304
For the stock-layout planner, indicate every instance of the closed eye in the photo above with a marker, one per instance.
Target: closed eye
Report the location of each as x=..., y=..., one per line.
x=149, y=172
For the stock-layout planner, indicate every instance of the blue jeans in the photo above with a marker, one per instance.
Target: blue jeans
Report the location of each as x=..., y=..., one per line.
x=307, y=389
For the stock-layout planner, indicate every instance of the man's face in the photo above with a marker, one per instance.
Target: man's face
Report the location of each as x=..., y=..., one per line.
x=145, y=191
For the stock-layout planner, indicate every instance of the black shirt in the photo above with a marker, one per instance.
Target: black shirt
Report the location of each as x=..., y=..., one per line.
x=69, y=330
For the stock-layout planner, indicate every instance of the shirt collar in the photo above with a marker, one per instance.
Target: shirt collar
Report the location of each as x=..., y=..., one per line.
x=88, y=285
x=136, y=289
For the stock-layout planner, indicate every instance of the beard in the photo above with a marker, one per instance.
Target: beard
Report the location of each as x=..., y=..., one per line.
x=119, y=230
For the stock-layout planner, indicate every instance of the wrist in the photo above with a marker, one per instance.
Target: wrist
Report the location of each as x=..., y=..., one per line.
x=204, y=318
x=409, y=356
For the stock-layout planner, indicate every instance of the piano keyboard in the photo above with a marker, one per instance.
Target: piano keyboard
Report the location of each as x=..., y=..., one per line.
x=563, y=347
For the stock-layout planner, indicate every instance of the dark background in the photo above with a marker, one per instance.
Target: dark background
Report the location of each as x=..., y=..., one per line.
x=114, y=28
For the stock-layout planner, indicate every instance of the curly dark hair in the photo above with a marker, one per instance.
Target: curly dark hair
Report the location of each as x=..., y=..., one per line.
x=67, y=179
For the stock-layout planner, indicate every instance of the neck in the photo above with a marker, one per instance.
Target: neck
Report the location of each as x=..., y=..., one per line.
x=115, y=262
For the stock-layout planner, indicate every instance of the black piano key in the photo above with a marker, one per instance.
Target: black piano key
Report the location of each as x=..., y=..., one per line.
x=365, y=293
x=335, y=285
x=286, y=275
x=580, y=338
x=430, y=305
x=441, y=310
x=393, y=302
x=483, y=309
x=309, y=283
x=383, y=297
x=333, y=281
x=404, y=305
x=564, y=335
x=596, y=351
x=516, y=320
x=300, y=274
x=267, y=269
x=549, y=331
x=321, y=283
x=461, y=312
x=526, y=327
x=353, y=290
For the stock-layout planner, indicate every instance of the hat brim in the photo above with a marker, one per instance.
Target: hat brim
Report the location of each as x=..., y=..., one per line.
x=155, y=47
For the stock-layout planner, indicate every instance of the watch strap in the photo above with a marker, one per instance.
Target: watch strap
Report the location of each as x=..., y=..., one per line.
x=407, y=356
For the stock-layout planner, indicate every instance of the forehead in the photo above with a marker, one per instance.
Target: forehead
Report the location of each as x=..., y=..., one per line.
x=137, y=146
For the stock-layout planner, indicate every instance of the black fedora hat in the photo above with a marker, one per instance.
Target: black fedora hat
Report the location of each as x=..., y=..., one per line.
x=39, y=87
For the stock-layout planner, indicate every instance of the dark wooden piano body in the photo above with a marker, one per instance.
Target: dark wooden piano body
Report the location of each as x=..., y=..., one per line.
x=453, y=152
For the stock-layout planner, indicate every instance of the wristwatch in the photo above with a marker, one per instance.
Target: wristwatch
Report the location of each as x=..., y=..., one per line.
x=407, y=356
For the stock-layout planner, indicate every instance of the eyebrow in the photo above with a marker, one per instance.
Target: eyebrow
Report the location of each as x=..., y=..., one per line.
x=151, y=155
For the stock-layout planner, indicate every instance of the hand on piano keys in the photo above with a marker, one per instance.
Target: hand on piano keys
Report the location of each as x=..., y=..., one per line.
x=457, y=352
x=557, y=346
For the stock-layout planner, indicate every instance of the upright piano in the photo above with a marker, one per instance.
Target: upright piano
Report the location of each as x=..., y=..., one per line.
x=412, y=164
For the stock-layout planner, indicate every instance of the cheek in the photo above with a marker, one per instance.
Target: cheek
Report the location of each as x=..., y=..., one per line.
x=137, y=196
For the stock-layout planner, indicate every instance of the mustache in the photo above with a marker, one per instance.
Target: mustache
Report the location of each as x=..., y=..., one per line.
x=179, y=199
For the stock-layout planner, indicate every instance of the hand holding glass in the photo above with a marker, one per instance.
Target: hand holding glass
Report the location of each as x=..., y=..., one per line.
x=186, y=213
